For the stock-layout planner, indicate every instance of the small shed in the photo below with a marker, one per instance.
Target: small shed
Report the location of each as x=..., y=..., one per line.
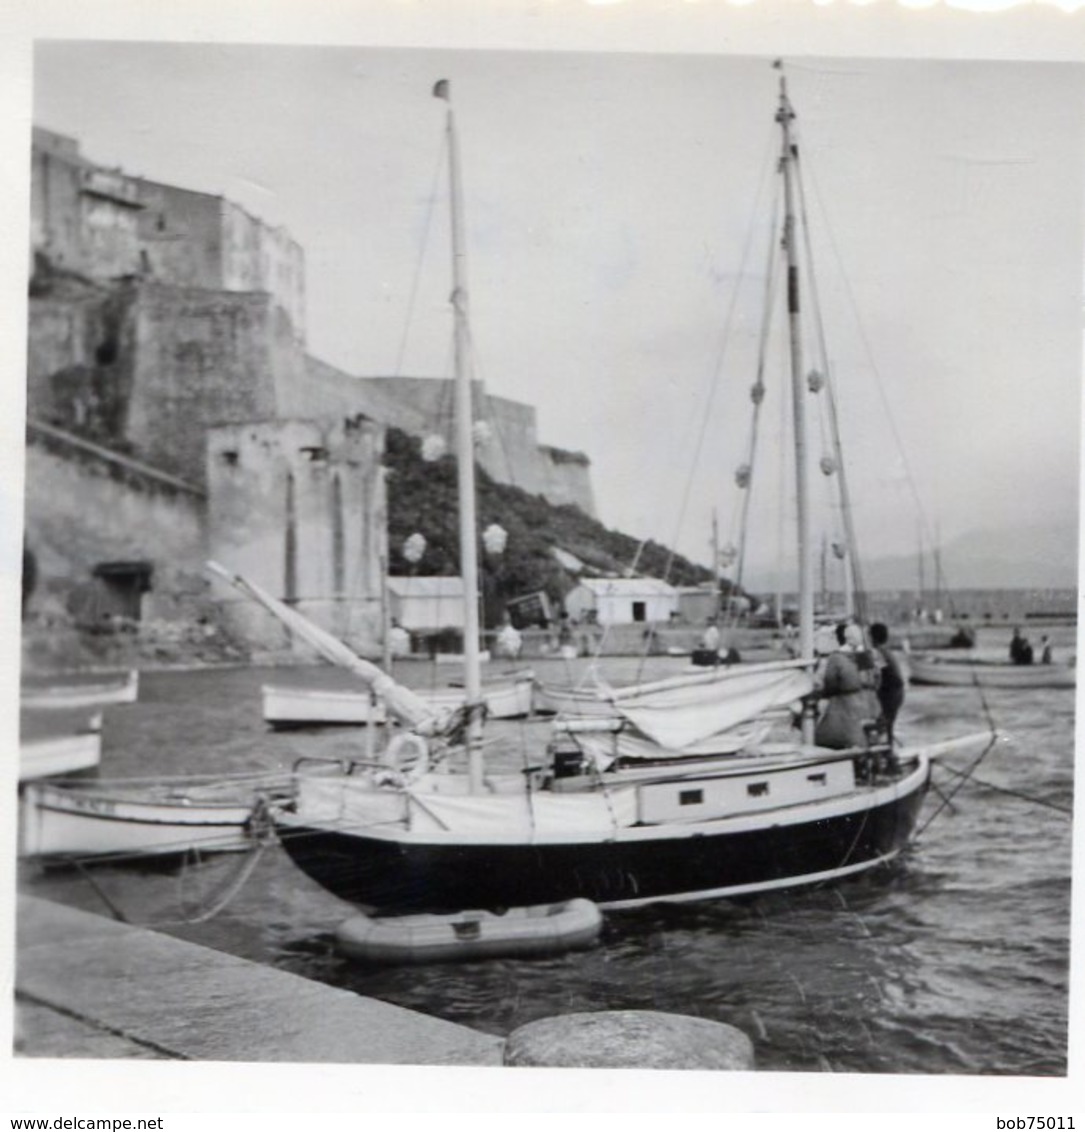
x=696, y=604
x=622, y=601
x=426, y=604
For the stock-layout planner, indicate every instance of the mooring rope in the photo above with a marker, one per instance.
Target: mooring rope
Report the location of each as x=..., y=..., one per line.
x=1065, y=810
x=947, y=800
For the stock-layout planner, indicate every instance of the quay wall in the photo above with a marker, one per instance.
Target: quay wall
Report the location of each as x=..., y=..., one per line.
x=99, y=988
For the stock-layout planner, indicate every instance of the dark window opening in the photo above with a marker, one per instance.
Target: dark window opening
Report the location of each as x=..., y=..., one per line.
x=817, y=779
x=757, y=789
x=690, y=797
x=230, y=457
x=119, y=588
x=106, y=353
x=640, y=611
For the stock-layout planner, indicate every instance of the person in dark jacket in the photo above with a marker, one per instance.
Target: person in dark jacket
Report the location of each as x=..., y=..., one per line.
x=891, y=682
x=1020, y=648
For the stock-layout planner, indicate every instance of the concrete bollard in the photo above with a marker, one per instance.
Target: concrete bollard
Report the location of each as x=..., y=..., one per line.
x=633, y=1039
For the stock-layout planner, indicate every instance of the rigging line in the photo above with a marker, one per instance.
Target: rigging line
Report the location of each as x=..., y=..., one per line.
x=858, y=589
x=758, y=390
x=231, y=890
x=484, y=412
x=114, y=910
x=1013, y=793
x=942, y=794
x=722, y=352
x=421, y=254
x=879, y=384
x=785, y=474
x=947, y=800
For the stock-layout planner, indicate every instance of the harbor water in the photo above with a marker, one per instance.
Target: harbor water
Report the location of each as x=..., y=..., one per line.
x=954, y=960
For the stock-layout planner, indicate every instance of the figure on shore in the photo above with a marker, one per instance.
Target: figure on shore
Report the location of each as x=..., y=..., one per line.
x=1045, y=654
x=710, y=638
x=890, y=682
x=509, y=641
x=399, y=640
x=847, y=684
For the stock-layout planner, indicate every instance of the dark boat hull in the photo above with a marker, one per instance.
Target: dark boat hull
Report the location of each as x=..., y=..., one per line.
x=389, y=876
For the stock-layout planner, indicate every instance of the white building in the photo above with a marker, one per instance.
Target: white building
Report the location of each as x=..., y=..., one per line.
x=426, y=604
x=622, y=601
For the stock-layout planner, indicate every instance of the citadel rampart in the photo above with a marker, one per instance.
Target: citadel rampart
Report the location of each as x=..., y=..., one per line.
x=139, y=519
x=425, y=406
x=161, y=317
x=298, y=507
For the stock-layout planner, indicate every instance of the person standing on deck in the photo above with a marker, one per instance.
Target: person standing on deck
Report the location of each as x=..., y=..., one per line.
x=848, y=689
x=890, y=677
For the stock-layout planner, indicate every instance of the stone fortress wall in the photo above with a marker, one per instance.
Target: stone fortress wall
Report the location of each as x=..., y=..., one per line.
x=159, y=319
x=197, y=311
x=299, y=508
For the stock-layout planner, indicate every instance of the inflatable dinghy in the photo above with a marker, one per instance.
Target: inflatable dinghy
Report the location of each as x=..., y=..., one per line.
x=542, y=929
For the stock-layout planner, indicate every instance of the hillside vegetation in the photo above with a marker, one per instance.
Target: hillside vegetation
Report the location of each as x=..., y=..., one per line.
x=422, y=499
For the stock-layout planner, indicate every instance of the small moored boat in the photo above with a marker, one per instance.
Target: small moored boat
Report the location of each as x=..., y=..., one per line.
x=58, y=697
x=45, y=754
x=542, y=929
x=64, y=821
x=965, y=672
x=314, y=707
x=310, y=707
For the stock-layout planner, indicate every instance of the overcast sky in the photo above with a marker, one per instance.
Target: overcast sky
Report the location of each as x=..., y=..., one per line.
x=610, y=203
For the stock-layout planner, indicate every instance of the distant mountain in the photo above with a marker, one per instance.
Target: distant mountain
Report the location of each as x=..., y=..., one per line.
x=1033, y=557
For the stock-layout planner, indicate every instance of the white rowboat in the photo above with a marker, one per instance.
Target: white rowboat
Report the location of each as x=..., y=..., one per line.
x=989, y=674
x=59, y=697
x=76, y=821
x=49, y=755
x=311, y=707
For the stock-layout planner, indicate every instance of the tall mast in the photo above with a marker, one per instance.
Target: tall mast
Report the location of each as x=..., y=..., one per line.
x=922, y=580
x=465, y=458
x=785, y=116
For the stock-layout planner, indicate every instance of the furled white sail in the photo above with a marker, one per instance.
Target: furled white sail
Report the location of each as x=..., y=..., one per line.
x=683, y=713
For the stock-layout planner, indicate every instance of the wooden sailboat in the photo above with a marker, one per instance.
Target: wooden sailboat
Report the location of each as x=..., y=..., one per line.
x=680, y=794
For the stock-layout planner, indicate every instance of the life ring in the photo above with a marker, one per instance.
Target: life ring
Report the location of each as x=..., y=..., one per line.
x=408, y=753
